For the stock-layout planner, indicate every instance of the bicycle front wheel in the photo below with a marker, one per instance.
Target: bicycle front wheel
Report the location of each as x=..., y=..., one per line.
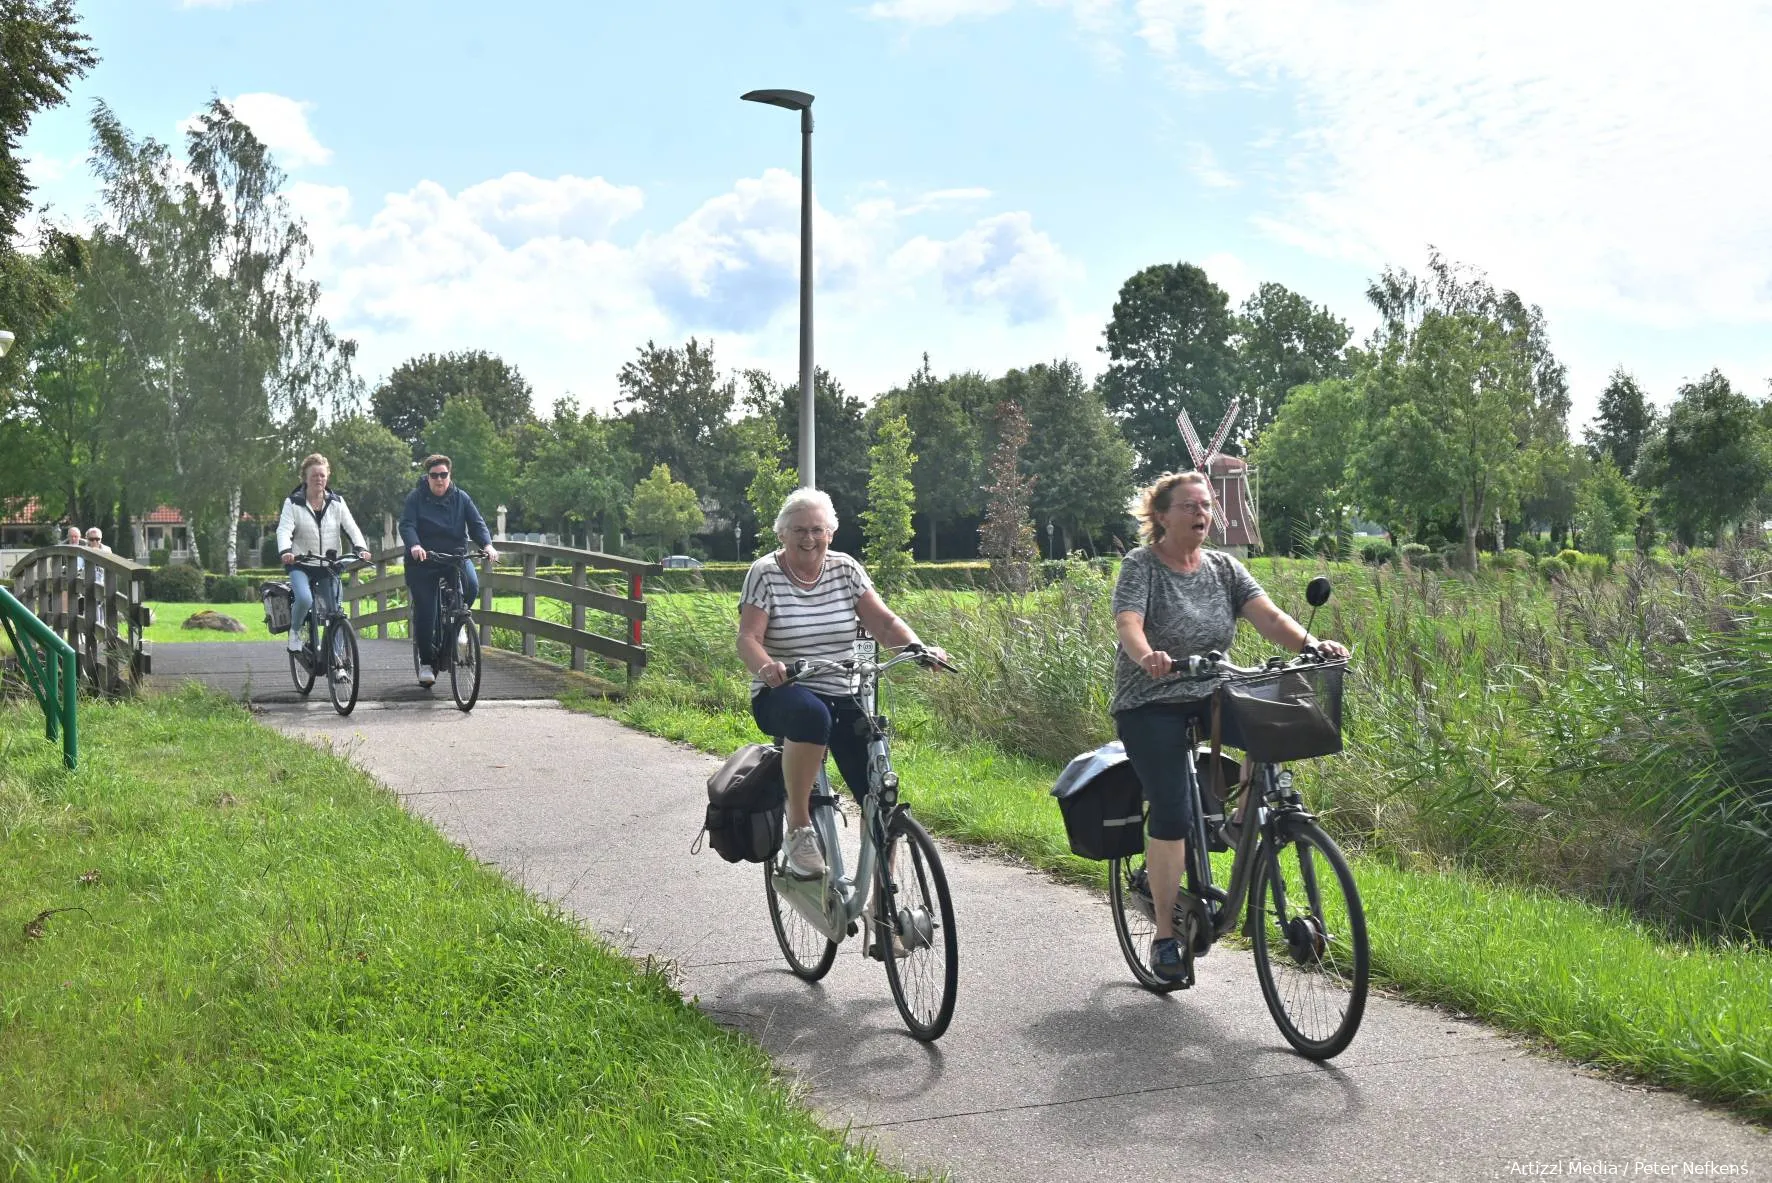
x=1309, y=938
x=1129, y=895
x=464, y=662
x=809, y=952
x=342, y=672
x=914, y=925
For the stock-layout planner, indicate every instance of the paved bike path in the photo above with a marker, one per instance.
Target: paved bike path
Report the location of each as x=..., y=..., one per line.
x=1057, y=1065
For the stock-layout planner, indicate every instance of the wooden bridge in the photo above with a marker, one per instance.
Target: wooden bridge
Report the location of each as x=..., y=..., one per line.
x=98, y=604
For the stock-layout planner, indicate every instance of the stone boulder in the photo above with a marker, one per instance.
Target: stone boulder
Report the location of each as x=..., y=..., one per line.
x=221, y=622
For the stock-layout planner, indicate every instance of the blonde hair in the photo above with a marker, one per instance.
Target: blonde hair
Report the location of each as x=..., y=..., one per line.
x=1153, y=499
x=311, y=459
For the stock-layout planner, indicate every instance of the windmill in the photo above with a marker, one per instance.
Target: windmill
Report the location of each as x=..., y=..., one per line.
x=1234, y=525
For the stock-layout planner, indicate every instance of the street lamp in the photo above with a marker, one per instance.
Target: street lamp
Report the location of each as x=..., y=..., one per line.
x=799, y=100
x=1049, y=553
x=6, y=340
x=737, y=542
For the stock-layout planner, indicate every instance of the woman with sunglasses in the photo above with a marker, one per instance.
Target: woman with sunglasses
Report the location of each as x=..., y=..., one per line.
x=805, y=600
x=438, y=515
x=1175, y=599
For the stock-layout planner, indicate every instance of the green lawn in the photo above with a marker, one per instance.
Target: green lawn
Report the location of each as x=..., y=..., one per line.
x=264, y=968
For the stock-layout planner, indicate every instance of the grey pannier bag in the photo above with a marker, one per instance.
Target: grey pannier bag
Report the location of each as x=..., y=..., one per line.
x=277, y=598
x=747, y=801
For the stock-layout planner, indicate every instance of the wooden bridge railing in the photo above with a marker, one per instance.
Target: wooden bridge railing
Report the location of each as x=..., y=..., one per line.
x=629, y=648
x=96, y=603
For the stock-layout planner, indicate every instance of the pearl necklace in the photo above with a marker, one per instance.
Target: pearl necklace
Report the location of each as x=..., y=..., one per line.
x=788, y=570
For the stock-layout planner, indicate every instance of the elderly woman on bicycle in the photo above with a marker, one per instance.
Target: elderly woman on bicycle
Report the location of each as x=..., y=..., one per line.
x=804, y=601
x=313, y=521
x=1175, y=599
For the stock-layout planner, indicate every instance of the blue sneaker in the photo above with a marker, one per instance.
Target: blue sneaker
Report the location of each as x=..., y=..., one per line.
x=1169, y=962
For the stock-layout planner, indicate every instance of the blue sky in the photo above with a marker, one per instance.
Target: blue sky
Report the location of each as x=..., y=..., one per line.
x=559, y=182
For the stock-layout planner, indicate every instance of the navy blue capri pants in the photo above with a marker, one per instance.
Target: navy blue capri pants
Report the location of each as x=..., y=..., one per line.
x=796, y=713
x=1157, y=744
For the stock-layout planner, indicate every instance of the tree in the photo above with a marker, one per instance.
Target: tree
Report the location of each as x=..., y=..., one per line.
x=1606, y=505
x=42, y=52
x=1304, y=454
x=891, y=501
x=1081, y=468
x=371, y=468
x=1283, y=341
x=1709, y=463
x=1007, y=537
x=1625, y=420
x=581, y=471
x=480, y=457
x=770, y=483
x=417, y=389
x=678, y=406
x=1168, y=347
x=943, y=415
x=665, y=509
x=842, y=446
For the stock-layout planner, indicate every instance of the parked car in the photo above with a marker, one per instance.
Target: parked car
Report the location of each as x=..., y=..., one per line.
x=680, y=561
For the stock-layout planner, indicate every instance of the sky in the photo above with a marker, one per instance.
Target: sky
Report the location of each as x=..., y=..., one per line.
x=560, y=183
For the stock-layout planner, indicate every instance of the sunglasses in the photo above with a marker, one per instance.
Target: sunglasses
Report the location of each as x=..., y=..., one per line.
x=437, y=476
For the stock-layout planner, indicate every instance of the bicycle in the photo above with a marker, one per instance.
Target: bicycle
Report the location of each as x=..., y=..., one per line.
x=1306, y=930
x=461, y=656
x=910, y=912
x=340, y=635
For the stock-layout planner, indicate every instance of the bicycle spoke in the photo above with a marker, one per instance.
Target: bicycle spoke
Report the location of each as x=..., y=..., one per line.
x=1310, y=945
x=914, y=925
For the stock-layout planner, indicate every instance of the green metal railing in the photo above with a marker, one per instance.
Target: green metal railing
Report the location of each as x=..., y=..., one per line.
x=50, y=671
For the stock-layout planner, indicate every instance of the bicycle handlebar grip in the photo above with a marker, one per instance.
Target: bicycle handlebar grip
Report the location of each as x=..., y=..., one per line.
x=794, y=671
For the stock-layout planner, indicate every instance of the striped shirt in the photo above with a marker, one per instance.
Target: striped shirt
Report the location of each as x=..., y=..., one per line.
x=817, y=621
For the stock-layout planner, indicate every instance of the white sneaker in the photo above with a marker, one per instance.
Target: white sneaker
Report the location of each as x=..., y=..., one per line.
x=803, y=860
x=294, y=645
x=426, y=675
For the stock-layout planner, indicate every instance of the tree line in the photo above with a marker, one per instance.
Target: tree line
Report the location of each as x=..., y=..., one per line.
x=175, y=354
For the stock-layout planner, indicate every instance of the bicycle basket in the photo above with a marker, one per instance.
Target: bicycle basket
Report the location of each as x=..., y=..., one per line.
x=1291, y=714
x=277, y=606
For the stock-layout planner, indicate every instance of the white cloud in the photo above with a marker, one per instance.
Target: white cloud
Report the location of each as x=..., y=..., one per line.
x=281, y=124
x=1232, y=274
x=526, y=267
x=1207, y=170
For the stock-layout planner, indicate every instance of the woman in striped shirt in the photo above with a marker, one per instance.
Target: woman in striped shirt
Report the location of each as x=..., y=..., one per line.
x=805, y=600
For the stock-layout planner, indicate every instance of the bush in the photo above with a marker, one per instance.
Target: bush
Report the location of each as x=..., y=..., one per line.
x=1571, y=557
x=1430, y=561
x=182, y=584
x=1532, y=544
x=227, y=589
x=1378, y=552
x=159, y=557
x=1595, y=567
x=1552, y=567
x=1414, y=552
x=268, y=553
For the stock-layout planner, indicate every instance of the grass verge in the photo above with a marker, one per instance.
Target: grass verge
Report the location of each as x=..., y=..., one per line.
x=1591, y=982
x=266, y=969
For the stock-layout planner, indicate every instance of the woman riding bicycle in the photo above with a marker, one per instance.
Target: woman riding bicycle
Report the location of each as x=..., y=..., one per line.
x=803, y=601
x=1175, y=599
x=438, y=515
x=314, y=520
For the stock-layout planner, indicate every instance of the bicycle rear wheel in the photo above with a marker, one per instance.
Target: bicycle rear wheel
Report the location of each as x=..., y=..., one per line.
x=342, y=671
x=1129, y=895
x=299, y=673
x=809, y=952
x=1309, y=938
x=464, y=662
x=915, y=929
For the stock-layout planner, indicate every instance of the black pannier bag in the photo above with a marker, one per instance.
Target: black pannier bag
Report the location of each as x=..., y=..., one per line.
x=1102, y=803
x=747, y=802
x=1292, y=714
x=278, y=600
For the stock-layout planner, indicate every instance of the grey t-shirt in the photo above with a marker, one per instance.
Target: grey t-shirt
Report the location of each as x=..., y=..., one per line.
x=1183, y=615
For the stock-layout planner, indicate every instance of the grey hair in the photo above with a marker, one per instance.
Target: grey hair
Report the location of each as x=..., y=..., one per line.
x=803, y=499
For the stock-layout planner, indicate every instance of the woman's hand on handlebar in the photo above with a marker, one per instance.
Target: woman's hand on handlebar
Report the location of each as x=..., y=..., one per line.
x=1156, y=663
x=1329, y=649
x=774, y=674
x=363, y=554
x=931, y=656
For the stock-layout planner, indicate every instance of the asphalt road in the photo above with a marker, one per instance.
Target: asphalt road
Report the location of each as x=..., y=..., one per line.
x=1057, y=1065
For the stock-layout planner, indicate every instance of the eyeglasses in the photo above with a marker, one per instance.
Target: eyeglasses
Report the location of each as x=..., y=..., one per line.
x=1193, y=506
x=438, y=476
x=808, y=531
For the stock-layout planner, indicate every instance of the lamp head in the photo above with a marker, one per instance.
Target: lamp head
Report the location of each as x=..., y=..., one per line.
x=7, y=338
x=793, y=100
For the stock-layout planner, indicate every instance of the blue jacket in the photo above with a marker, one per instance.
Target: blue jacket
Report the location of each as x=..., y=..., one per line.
x=441, y=523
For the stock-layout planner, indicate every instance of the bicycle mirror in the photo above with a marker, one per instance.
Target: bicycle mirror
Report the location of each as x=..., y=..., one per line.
x=1316, y=592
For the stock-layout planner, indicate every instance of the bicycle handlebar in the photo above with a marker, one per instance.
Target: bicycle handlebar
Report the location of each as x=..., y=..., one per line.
x=444, y=554
x=1204, y=666
x=867, y=669
x=337, y=564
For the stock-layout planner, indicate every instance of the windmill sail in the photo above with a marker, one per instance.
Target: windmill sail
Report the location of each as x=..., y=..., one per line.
x=1193, y=441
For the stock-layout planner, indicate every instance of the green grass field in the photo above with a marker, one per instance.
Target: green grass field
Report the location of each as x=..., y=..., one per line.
x=262, y=967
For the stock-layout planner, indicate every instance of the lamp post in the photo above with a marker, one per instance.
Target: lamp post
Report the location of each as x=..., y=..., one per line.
x=1049, y=553
x=6, y=340
x=737, y=542
x=799, y=100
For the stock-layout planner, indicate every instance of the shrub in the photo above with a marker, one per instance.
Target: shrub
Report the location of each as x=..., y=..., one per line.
x=159, y=557
x=1378, y=552
x=1430, y=561
x=1510, y=560
x=1552, y=567
x=1414, y=552
x=1595, y=567
x=1570, y=556
x=182, y=584
x=1532, y=544
x=227, y=589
